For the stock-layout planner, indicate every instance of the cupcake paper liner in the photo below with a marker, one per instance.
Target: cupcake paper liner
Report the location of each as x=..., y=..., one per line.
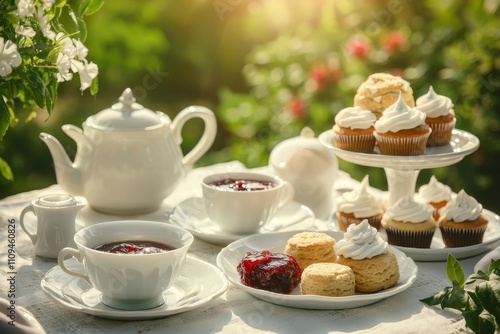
x=462, y=237
x=441, y=133
x=414, y=239
x=402, y=145
x=344, y=221
x=358, y=143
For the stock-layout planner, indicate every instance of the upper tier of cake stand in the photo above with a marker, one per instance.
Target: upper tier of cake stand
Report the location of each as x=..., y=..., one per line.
x=462, y=144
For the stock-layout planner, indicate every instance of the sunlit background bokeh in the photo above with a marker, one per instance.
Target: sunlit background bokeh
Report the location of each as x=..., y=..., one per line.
x=267, y=68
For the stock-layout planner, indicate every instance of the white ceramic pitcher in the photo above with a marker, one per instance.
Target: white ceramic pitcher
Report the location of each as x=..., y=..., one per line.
x=55, y=227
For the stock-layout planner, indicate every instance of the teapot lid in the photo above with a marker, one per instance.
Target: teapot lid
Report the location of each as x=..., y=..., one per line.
x=125, y=115
x=285, y=150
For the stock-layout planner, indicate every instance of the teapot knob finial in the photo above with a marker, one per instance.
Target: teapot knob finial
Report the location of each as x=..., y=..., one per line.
x=127, y=98
x=307, y=132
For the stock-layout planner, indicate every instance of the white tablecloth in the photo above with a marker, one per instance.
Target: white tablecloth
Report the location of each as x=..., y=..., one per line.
x=235, y=311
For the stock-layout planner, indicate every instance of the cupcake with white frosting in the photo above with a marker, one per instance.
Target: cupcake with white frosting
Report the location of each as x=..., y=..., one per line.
x=402, y=130
x=409, y=223
x=436, y=194
x=440, y=117
x=462, y=221
x=362, y=249
x=353, y=130
x=357, y=205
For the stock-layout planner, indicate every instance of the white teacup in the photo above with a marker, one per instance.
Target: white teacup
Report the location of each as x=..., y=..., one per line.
x=129, y=281
x=55, y=223
x=244, y=212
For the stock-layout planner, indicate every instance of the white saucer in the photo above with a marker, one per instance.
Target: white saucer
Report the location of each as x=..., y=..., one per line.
x=230, y=256
x=438, y=251
x=198, y=284
x=190, y=214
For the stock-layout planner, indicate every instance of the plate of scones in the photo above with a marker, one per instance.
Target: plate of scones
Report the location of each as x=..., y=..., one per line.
x=328, y=270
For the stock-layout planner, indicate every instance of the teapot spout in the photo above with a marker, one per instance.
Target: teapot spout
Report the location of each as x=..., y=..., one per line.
x=67, y=175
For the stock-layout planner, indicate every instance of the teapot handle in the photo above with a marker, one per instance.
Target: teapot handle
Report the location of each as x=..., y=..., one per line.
x=207, y=137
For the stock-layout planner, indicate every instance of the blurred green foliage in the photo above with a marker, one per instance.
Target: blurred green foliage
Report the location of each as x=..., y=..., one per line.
x=270, y=67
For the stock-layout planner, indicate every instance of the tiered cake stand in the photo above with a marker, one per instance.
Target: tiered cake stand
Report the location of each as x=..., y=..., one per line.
x=402, y=171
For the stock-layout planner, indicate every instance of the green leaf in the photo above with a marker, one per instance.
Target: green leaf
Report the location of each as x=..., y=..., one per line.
x=489, y=294
x=454, y=271
x=494, y=265
x=4, y=117
x=437, y=298
x=82, y=28
x=89, y=7
x=479, y=323
x=457, y=299
x=5, y=170
x=94, y=87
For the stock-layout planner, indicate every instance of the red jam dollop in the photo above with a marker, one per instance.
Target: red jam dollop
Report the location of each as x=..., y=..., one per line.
x=271, y=271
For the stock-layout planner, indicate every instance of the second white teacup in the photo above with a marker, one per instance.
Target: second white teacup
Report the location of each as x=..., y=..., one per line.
x=129, y=281
x=242, y=202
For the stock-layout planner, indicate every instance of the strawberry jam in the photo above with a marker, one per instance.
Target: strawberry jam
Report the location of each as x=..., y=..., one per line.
x=265, y=270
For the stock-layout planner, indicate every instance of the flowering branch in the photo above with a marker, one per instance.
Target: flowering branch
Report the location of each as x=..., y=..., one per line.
x=37, y=52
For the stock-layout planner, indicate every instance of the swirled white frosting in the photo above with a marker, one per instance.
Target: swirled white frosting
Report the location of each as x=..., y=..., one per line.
x=361, y=241
x=399, y=116
x=462, y=208
x=360, y=201
x=355, y=118
x=434, y=105
x=407, y=210
x=434, y=191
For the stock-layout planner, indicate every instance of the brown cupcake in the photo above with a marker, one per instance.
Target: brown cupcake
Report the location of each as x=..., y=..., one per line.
x=460, y=232
x=404, y=142
x=353, y=130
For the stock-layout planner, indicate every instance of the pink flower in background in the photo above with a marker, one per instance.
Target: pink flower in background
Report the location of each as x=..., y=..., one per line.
x=323, y=74
x=296, y=106
x=395, y=41
x=358, y=47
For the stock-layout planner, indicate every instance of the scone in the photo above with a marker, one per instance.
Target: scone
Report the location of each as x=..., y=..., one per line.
x=311, y=247
x=402, y=130
x=380, y=91
x=327, y=279
x=462, y=222
x=366, y=253
x=353, y=130
x=440, y=117
x=354, y=206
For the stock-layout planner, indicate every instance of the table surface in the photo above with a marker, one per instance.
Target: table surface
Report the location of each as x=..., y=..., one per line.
x=235, y=311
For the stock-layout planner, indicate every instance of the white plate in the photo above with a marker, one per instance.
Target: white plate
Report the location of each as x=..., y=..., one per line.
x=437, y=250
x=190, y=214
x=230, y=256
x=198, y=284
x=462, y=143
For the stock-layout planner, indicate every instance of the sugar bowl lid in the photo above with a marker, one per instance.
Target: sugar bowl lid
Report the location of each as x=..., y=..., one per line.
x=125, y=115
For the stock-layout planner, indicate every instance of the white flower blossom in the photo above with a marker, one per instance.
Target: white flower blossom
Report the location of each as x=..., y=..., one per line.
x=63, y=67
x=43, y=21
x=25, y=8
x=47, y=4
x=25, y=31
x=9, y=57
x=88, y=72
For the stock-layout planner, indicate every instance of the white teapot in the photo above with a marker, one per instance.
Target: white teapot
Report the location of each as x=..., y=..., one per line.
x=128, y=157
x=310, y=167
